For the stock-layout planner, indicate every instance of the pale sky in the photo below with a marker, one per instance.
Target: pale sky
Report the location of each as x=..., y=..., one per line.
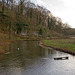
x=65, y=9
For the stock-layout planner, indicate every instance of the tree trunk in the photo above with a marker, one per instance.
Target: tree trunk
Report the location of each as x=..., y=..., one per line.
x=10, y=31
x=3, y=6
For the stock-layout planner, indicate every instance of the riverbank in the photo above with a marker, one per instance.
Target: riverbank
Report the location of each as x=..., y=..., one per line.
x=4, y=45
x=65, y=45
x=5, y=41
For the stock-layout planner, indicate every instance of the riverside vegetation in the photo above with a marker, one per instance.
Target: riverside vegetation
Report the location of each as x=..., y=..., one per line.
x=23, y=20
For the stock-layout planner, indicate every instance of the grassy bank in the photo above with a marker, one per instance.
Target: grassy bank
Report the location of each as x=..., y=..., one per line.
x=66, y=45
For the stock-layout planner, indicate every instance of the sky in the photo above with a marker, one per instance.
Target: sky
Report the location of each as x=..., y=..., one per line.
x=65, y=9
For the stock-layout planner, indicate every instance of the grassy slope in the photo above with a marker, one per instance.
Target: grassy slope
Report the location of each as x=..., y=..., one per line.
x=62, y=44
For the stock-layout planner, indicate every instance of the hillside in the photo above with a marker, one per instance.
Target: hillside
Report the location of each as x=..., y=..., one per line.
x=30, y=20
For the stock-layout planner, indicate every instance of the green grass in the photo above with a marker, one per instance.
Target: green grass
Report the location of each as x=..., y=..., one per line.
x=67, y=44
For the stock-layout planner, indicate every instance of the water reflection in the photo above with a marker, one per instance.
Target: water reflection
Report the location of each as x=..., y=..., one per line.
x=32, y=59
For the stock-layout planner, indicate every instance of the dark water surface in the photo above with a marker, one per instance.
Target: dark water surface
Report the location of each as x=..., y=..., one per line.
x=27, y=58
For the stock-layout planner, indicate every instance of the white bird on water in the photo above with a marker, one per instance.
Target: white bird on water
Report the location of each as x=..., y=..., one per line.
x=18, y=49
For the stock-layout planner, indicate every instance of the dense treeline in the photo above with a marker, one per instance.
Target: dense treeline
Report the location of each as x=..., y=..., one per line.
x=26, y=18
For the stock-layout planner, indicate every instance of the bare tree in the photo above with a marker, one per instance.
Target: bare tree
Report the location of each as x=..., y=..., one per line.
x=3, y=1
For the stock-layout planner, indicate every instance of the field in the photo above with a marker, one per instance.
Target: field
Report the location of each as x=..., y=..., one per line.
x=67, y=45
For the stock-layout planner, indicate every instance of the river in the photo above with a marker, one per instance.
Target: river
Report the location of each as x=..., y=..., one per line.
x=28, y=58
